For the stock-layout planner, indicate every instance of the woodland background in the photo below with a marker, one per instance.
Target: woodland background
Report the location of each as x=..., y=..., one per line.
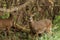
x=20, y=11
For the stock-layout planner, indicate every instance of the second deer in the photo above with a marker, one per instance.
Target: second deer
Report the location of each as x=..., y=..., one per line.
x=41, y=26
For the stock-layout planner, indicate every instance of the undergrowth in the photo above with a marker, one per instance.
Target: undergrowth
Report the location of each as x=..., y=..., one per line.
x=55, y=29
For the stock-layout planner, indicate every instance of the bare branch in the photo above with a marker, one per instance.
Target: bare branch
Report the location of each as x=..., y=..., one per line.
x=18, y=7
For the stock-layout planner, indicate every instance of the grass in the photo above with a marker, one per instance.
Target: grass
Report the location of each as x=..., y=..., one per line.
x=55, y=36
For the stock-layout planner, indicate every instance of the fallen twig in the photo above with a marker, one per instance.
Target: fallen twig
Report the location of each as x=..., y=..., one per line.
x=22, y=28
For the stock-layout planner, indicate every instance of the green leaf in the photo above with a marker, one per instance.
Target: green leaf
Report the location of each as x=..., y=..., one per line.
x=5, y=15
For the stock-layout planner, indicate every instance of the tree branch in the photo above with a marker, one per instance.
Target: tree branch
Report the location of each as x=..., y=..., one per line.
x=17, y=8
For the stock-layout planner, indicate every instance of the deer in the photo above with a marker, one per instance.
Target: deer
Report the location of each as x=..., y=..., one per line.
x=41, y=26
x=6, y=24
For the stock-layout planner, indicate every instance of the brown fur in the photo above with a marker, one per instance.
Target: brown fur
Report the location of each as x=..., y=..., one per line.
x=6, y=23
x=41, y=26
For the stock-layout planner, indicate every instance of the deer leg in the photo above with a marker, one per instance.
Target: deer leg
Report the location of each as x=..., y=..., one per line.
x=33, y=38
x=8, y=28
x=36, y=36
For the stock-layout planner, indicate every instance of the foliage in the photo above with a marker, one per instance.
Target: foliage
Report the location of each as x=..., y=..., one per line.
x=5, y=16
x=15, y=34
